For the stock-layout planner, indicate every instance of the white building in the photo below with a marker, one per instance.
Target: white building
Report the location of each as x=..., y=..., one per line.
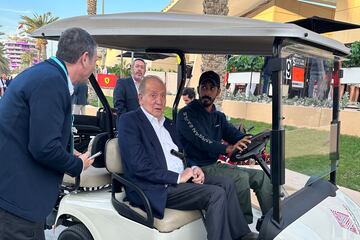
x=15, y=47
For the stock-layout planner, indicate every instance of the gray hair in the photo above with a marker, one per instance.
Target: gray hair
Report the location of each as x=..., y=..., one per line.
x=73, y=43
x=147, y=78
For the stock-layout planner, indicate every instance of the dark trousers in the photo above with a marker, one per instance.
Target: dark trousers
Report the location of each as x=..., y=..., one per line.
x=224, y=219
x=245, y=179
x=16, y=228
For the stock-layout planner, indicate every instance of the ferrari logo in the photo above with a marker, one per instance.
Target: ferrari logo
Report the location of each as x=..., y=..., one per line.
x=106, y=80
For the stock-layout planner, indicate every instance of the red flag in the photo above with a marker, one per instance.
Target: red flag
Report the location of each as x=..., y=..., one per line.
x=106, y=80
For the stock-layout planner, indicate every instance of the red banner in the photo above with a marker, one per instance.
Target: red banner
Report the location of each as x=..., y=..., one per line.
x=106, y=80
x=298, y=77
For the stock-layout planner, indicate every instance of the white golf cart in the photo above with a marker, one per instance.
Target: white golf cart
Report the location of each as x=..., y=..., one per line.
x=319, y=210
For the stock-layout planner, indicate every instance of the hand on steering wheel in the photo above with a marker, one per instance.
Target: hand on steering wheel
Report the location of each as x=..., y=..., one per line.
x=256, y=145
x=240, y=146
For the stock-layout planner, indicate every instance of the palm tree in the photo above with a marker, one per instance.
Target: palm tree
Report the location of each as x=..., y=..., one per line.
x=91, y=10
x=4, y=63
x=91, y=7
x=37, y=21
x=216, y=63
x=27, y=59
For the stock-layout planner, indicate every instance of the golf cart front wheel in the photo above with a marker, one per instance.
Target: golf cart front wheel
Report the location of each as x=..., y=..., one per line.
x=75, y=232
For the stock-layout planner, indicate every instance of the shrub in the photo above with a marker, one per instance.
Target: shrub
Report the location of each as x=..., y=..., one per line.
x=242, y=63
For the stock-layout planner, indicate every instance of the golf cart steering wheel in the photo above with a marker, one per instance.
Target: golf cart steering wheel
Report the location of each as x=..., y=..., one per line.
x=258, y=142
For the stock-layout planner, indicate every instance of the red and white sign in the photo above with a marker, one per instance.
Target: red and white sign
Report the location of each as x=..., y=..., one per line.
x=345, y=221
x=106, y=80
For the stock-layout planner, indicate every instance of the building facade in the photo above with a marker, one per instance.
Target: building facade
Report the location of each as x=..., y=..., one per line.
x=15, y=48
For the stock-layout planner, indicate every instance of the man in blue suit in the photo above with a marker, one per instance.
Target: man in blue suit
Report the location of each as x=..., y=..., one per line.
x=126, y=89
x=80, y=97
x=35, y=127
x=146, y=138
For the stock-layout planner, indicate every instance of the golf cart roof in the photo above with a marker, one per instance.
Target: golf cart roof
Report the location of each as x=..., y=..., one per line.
x=189, y=33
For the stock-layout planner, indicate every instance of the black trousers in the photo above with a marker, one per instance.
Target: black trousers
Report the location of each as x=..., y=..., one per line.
x=13, y=227
x=224, y=219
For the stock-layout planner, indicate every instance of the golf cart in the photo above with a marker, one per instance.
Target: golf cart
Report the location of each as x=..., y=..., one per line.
x=319, y=210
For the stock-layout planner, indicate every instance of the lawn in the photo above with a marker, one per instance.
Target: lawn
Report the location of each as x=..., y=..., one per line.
x=95, y=102
x=306, y=151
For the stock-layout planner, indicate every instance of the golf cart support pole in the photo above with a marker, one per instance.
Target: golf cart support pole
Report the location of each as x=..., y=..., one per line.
x=334, y=156
x=182, y=77
x=277, y=65
x=103, y=100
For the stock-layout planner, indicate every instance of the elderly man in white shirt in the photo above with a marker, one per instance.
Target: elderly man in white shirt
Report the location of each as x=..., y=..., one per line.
x=146, y=139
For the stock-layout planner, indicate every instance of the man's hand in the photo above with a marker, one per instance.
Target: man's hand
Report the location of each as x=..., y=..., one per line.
x=77, y=153
x=199, y=176
x=241, y=145
x=86, y=161
x=186, y=175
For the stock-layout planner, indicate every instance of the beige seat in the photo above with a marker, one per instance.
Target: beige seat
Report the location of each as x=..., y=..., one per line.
x=173, y=219
x=91, y=178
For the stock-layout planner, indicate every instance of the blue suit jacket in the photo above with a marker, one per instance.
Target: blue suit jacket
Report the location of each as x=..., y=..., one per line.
x=125, y=96
x=143, y=159
x=35, y=124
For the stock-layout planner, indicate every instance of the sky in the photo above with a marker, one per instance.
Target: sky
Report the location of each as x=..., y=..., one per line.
x=12, y=10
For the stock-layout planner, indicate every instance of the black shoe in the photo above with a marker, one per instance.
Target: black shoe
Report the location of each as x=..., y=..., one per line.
x=249, y=236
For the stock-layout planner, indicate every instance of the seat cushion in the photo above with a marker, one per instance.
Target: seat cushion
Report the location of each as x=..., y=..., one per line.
x=113, y=160
x=173, y=219
x=91, y=177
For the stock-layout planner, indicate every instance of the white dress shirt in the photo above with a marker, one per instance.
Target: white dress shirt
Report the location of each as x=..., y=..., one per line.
x=137, y=84
x=173, y=163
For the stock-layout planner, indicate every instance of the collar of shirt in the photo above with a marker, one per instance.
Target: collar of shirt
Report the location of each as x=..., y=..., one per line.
x=173, y=163
x=153, y=120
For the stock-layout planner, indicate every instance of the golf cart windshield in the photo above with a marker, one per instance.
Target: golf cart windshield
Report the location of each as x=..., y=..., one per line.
x=307, y=112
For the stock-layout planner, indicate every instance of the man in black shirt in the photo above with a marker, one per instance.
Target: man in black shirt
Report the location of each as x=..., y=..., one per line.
x=201, y=130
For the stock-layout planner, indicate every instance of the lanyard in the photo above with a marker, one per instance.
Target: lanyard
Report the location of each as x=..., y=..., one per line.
x=61, y=65
x=71, y=87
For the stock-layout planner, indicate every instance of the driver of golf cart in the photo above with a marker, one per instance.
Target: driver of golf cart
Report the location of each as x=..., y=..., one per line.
x=201, y=129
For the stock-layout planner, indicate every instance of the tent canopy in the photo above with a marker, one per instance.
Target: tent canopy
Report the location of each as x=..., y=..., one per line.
x=324, y=25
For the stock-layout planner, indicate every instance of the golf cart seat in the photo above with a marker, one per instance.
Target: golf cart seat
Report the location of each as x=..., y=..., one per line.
x=92, y=178
x=96, y=176
x=173, y=219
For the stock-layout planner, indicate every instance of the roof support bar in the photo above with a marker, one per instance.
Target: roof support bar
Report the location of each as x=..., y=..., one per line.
x=335, y=119
x=181, y=83
x=277, y=134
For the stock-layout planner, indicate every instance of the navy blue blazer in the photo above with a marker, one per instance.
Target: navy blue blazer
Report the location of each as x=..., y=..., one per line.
x=35, y=125
x=125, y=96
x=143, y=159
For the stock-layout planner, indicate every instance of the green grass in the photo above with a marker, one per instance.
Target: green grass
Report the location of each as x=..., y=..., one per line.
x=95, y=102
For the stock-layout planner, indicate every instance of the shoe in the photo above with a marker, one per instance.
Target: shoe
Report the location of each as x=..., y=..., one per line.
x=249, y=236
